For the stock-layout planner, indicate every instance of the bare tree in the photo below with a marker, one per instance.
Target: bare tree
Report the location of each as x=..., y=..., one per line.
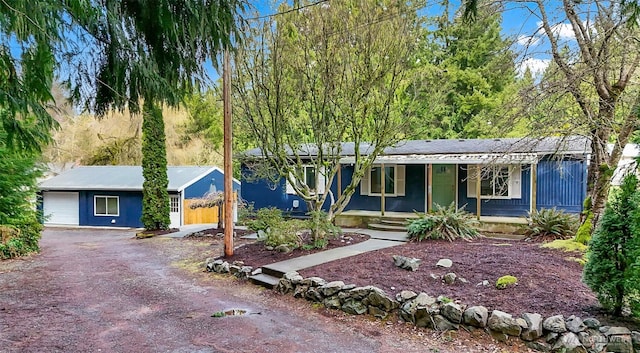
x=314, y=79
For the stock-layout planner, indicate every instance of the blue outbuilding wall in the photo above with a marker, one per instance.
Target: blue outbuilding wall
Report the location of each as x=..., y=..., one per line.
x=206, y=184
x=130, y=209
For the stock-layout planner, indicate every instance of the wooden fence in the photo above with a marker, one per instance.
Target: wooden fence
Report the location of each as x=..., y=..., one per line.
x=199, y=215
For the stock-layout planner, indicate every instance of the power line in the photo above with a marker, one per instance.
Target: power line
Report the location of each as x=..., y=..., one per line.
x=287, y=11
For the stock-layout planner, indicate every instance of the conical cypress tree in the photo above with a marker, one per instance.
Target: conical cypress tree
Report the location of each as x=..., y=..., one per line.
x=155, y=197
x=612, y=270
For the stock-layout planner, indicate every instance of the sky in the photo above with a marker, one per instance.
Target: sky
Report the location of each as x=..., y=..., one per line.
x=520, y=23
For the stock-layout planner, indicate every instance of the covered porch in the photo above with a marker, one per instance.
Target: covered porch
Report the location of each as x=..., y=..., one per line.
x=361, y=218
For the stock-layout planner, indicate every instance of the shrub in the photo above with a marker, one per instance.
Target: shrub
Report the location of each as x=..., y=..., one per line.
x=266, y=218
x=550, y=224
x=612, y=268
x=246, y=213
x=21, y=238
x=286, y=233
x=506, y=281
x=444, y=223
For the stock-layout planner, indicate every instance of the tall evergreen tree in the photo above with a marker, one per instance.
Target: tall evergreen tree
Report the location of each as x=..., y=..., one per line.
x=155, y=197
x=464, y=71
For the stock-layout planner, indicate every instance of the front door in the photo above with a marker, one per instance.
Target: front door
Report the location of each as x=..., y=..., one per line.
x=174, y=213
x=443, y=184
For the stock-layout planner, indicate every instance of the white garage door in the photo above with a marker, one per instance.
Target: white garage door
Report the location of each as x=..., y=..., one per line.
x=61, y=208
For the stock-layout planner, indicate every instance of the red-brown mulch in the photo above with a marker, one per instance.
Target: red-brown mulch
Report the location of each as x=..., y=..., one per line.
x=254, y=253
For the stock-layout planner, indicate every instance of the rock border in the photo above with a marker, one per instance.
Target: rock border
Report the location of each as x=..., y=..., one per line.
x=551, y=334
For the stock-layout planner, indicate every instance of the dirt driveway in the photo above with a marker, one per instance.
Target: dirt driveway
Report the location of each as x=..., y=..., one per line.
x=103, y=291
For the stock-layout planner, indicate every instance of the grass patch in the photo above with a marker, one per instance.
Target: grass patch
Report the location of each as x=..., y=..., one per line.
x=566, y=245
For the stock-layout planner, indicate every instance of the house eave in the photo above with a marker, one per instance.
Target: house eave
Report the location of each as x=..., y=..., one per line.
x=484, y=158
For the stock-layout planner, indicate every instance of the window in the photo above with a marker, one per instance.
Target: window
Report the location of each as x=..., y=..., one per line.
x=497, y=181
x=174, y=204
x=392, y=178
x=309, y=177
x=106, y=205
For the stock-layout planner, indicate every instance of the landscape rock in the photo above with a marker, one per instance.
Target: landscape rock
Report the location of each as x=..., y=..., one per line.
x=569, y=343
x=555, y=324
x=476, y=316
x=377, y=312
x=575, y=324
x=360, y=293
x=591, y=322
x=446, y=263
x=538, y=346
x=244, y=272
x=405, y=295
x=284, y=286
x=354, y=307
x=620, y=340
x=313, y=282
x=502, y=322
x=453, y=312
x=294, y=277
x=483, y=283
x=422, y=317
x=424, y=299
x=635, y=339
x=312, y=294
x=380, y=299
x=283, y=249
x=440, y=323
x=407, y=263
x=593, y=340
x=299, y=291
x=331, y=288
x=332, y=303
x=533, y=330
x=257, y=271
x=449, y=278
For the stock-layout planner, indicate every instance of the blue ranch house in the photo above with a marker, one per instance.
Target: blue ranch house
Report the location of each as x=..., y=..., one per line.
x=112, y=195
x=488, y=177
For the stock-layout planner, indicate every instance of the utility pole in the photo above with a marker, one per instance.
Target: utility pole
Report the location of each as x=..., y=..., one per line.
x=228, y=168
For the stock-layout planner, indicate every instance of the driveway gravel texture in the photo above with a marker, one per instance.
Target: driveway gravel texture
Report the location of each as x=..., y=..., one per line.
x=94, y=290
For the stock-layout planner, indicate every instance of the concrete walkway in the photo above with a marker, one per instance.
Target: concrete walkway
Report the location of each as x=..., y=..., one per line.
x=378, y=240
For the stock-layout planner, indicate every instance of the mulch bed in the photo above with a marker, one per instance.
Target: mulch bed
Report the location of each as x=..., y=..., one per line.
x=255, y=254
x=549, y=281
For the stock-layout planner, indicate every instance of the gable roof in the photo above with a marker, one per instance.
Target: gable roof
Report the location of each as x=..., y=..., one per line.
x=121, y=178
x=459, y=150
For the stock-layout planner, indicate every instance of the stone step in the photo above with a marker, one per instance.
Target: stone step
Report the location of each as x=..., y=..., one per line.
x=264, y=280
x=394, y=221
x=387, y=227
x=272, y=272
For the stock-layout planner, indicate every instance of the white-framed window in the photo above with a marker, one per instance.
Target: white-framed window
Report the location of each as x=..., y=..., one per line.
x=391, y=177
x=309, y=176
x=498, y=181
x=106, y=205
x=174, y=203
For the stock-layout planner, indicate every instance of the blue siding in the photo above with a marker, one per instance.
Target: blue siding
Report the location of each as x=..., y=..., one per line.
x=496, y=207
x=206, y=183
x=130, y=209
x=264, y=194
x=562, y=184
x=414, y=199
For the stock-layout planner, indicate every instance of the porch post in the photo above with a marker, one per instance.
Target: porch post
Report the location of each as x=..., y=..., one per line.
x=429, y=182
x=339, y=180
x=478, y=200
x=534, y=186
x=382, y=187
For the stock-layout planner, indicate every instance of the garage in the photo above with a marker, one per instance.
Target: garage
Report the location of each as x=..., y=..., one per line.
x=61, y=207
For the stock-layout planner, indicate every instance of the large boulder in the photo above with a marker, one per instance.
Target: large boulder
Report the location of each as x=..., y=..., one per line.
x=502, y=322
x=476, y=316
x=533, y=330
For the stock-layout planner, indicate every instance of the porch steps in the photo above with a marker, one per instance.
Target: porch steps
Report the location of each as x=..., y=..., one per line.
x=389, y=224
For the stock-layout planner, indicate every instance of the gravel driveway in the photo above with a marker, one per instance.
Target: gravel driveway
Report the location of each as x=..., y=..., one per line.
x=104, y=291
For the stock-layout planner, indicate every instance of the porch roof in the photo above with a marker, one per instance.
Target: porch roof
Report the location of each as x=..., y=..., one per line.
x=458, y=158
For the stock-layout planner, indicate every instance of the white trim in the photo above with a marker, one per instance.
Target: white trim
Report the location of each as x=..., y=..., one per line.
x=196, y=179
x=512, y=169
x=107, y=214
